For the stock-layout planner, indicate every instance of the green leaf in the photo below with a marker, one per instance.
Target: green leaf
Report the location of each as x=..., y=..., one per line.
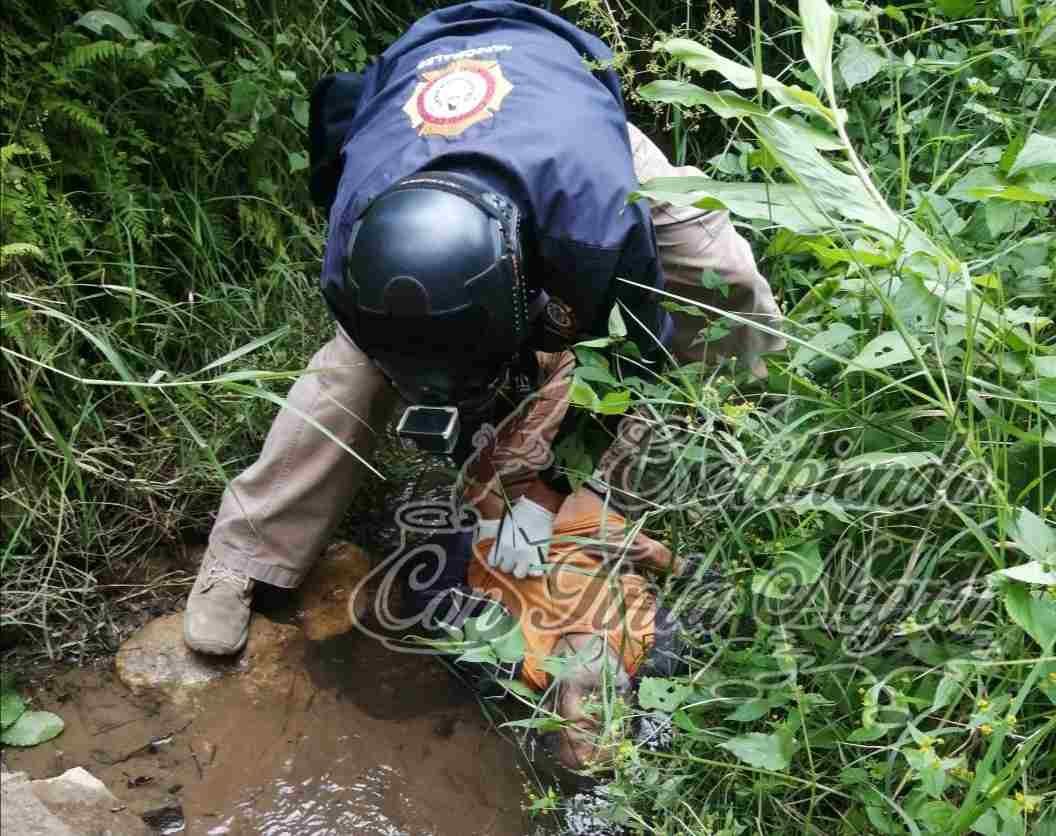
x=1038, y=150
x=31, y=728
x=661, y=694
x=702, y=59
x=819, y=28
x=827, y=341
x=97, y=20
x=11, y=708
x=297, y=160
x=1033, y=572
x=765, y=751
x=785, y=204
x=1045, y=366
x=724, y=104
x=1034, y=536
x=1034, y=613
x=955, y=9
x=858, y=63
x=244, y=94
x=929, y=769
x=614, y=403
x=917, y=307
x=887, y=349
x=596, y=374
x=710, y=280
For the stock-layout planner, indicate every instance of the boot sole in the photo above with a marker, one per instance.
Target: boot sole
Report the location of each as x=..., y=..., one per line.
x=216, y=649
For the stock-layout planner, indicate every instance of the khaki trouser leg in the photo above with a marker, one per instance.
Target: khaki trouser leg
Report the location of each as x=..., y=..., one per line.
x=692, y=241
x=278, y=515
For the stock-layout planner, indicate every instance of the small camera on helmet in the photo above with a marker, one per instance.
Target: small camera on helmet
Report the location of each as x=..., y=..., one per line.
x=433, y=428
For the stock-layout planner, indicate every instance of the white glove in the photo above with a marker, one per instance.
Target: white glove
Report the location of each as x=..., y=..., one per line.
x=523, y=539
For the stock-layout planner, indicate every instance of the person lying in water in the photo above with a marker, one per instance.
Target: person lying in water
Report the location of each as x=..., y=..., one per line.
x=582, y=592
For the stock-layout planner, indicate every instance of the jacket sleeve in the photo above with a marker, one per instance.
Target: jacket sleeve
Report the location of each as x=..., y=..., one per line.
x=587, y=281
x=508, y=460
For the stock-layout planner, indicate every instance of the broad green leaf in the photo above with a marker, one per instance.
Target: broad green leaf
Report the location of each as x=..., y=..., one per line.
x=948, y=691
x=929, y=769
x=765, y=751
x=819, y=23
x=1034, y=613
x=985, y=183
x=887, y=349
x=581, y=394
x=711, y=280
x=1034, y=536
x=596, y=374
x=659, y=694
x=955, y=9
x=97, y=20
x=11, y=708
x=298, y=161
x=726, y=105
x=1045, y=366
x=1030, y=573
x=858, y=63
x=834, y=192
x=702, y=59
x=1038, y=150
x=827, y=341
x=783, y=204
x=917, y=307
x=614, y=403
x=31, y=728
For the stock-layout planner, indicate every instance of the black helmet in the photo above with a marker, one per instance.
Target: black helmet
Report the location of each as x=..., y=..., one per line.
x=433, y=288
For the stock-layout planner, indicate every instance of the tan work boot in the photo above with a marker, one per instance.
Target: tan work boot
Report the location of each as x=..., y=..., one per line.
x=217, y=617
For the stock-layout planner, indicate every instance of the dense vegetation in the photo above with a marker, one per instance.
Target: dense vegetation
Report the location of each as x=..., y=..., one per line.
x=881, y=508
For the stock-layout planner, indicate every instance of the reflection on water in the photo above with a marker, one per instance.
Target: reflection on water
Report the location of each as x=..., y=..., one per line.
x=348, y=738
x=325, y=806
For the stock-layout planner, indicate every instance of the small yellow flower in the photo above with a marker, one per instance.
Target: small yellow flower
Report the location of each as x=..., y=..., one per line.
x=1026, y=803
x=983, y=704
x=986, y=729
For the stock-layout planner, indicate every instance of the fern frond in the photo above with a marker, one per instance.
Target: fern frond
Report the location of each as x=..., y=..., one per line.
x=78, y=116
x=133, y=217
x=88, y=54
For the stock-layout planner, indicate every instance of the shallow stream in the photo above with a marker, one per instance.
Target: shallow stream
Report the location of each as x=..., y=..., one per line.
x=352, y=739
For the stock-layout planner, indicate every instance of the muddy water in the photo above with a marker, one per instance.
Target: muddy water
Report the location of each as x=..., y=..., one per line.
x=358, y=740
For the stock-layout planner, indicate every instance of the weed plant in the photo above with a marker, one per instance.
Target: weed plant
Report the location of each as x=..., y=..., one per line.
x=880, y=657
x=159, y=250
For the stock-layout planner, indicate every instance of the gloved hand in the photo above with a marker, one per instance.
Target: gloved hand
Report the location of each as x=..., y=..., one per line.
x=522, y=538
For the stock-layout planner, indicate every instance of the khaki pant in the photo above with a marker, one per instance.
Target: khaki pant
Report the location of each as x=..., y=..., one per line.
x=278, y=515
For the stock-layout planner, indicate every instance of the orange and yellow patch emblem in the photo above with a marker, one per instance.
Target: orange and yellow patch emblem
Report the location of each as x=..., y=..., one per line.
x=449, y=100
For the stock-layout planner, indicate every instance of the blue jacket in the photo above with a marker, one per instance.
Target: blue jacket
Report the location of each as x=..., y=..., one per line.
x=501, y=85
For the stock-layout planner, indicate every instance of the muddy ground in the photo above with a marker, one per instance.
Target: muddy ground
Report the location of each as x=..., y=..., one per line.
x=352, y=739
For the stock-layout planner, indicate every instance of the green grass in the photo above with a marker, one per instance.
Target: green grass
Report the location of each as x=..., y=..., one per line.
x=159, y=263
x=882, y=507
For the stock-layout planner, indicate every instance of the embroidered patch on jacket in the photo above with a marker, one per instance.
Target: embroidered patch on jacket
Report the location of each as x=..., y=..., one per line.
x=449, y=100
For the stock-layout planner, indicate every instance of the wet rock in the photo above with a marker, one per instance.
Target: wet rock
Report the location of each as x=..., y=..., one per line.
x=167, y=819
x=332, y=599
x=75, y=803
x=156, y=661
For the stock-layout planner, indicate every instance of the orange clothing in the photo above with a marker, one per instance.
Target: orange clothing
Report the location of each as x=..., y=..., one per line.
x=577, y=594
